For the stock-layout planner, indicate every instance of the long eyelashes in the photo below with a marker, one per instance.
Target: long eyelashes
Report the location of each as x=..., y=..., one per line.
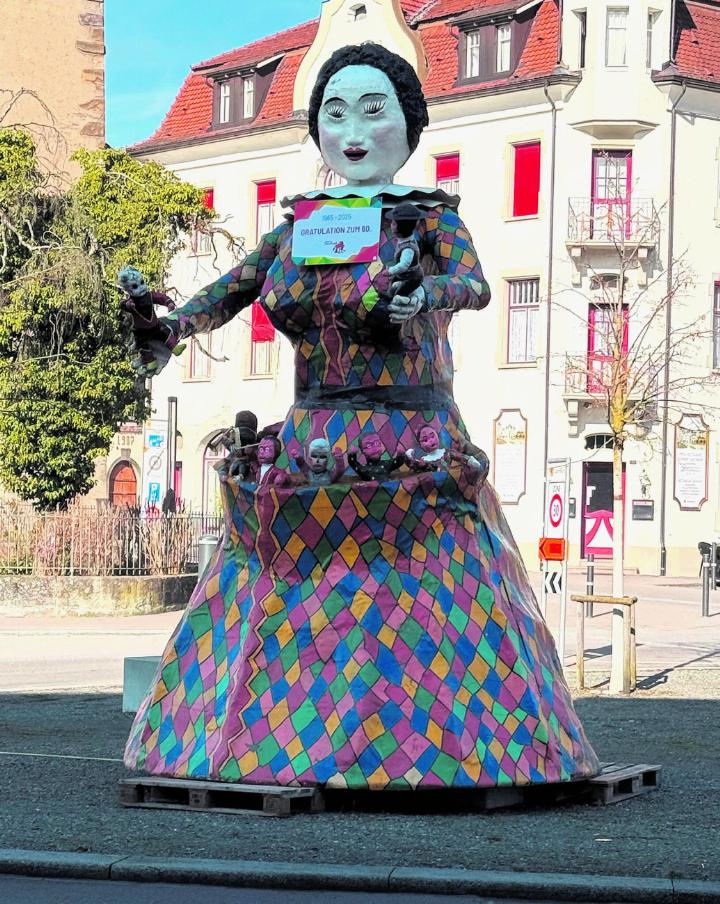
x=374, y=106
x=371, y=108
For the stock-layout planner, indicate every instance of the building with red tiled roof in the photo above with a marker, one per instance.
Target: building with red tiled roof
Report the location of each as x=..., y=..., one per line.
x=569, y=131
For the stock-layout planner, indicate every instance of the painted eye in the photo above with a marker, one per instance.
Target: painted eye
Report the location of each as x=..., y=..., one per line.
x=374, y=106
x=335, y=111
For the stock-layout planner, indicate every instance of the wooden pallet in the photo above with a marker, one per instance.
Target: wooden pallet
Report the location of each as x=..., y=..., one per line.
x=218, y=797
x=616, y=782
x=619, y=782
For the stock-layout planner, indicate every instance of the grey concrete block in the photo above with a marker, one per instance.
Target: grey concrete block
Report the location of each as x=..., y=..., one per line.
x=533, y=886
x=138, y=674
x=252, y=874
x=56, y=864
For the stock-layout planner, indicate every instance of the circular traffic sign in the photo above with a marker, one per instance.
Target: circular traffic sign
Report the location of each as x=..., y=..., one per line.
x=556, y=510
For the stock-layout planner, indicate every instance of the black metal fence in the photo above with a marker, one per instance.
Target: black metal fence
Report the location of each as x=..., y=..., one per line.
x=105, y=541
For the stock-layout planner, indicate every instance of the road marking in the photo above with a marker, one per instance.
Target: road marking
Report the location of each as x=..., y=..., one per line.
x=60, y=756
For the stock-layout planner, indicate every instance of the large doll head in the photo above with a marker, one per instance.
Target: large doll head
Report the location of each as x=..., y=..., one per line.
x=367, y=112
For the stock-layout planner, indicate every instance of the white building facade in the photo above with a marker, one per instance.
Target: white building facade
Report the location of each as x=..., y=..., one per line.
x=552, y=121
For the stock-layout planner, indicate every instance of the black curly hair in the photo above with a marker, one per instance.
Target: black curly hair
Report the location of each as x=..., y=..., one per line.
x=399, y=71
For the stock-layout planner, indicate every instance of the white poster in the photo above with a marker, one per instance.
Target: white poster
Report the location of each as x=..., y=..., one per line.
x=510, y=456
x=154, y=463
x=691, y=462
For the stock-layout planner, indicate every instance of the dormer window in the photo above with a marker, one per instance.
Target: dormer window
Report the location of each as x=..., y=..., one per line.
x=472, y=55
x=503, y=45
x=236, y=99
x=248, y=87
x=224, y=106
x=492, y=43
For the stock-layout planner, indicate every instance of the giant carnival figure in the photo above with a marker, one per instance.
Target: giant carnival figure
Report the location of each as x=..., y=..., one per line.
x=372, y=633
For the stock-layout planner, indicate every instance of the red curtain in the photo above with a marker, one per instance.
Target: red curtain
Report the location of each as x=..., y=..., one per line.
x=447, y=167
x=266, y=192
x=526, y=188
x=262, y=329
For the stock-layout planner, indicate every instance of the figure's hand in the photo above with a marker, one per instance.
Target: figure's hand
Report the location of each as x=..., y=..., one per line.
x=402, y=309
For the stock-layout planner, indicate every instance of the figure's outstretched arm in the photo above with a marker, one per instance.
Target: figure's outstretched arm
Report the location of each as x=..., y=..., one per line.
x=460, y=283
x=219, y=302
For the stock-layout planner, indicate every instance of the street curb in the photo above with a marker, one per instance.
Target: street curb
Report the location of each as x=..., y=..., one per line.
x=345, y=877
x=56, y=864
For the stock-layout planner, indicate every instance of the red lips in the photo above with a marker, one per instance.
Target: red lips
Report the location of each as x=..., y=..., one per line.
x=355, y=154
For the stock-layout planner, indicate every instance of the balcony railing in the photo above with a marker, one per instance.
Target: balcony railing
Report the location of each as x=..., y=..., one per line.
x=588, y=375
x=613, y=222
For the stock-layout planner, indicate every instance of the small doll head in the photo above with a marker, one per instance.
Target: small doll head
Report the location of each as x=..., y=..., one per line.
x=133, y=282
x=404, y=218
x=372, y=446
x=268, y=450
x=428, y=439
x=319, y=456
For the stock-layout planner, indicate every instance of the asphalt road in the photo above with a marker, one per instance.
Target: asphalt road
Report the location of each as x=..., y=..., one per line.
x=20, y=890
x=60, y=764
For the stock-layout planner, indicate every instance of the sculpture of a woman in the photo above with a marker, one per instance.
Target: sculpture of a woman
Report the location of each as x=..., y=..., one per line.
x=368, y=634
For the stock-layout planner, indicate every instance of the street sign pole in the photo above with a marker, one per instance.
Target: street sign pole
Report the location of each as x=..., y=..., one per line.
x=553, y=545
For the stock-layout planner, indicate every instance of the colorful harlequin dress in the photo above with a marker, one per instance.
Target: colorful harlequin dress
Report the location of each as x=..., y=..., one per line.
x=365, y=634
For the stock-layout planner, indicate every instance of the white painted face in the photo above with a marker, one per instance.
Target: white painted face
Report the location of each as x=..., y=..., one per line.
x=362, y=128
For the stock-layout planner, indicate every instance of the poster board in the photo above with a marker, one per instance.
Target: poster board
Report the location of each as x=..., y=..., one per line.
x=510, y=456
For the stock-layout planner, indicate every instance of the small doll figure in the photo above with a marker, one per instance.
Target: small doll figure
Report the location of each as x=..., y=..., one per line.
x=407, y=272
x=240, y=442
x=140, y=303
x=323, y=467
x=375, y=467
x=267, y=473
x=431, y=456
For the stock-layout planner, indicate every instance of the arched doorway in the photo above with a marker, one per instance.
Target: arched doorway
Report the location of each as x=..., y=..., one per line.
x=123, y=485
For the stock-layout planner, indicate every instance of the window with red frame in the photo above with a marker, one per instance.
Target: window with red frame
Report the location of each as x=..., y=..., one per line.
x=447, y=173
x=716, y=327
x=526, y=179
x=266, y=196
x=603, y=336
x=201, y=241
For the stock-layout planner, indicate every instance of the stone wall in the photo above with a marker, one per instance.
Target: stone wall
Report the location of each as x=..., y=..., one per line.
x=25, y=594
x=55, y=51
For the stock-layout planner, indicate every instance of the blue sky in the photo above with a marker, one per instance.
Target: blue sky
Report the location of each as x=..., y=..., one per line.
x=151, y=45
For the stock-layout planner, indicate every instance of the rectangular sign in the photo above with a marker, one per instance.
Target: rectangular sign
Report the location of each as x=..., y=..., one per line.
x=342, y=231
x=154, y=463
